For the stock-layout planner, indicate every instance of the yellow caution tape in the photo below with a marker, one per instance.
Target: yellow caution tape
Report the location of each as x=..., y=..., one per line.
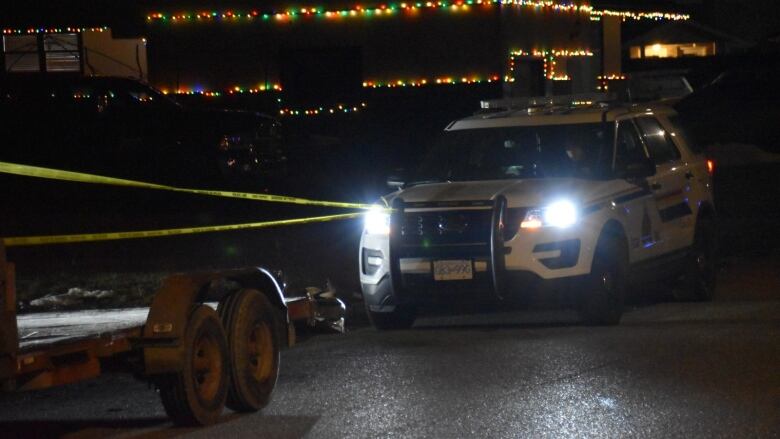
x=56, y=174
x=93, y=237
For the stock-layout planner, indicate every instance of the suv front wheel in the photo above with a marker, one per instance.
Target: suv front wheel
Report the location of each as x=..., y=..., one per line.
x=402, y=317
x=602, y=303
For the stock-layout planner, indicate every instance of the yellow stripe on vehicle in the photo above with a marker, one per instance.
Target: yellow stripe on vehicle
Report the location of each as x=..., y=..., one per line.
x=95, y=237
x=80, y=177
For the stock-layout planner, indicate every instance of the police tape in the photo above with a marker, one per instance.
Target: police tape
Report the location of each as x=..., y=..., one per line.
x=80, y=177
x=111, y=236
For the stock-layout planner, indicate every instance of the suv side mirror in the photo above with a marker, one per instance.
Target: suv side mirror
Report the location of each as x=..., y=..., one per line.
x=397, y=180
x=640, y=169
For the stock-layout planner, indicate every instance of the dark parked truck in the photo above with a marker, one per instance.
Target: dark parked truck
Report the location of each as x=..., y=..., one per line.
x=207, y=341
x=125, y=128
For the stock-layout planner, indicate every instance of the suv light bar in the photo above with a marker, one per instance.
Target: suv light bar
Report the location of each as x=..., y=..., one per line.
x=546, y=101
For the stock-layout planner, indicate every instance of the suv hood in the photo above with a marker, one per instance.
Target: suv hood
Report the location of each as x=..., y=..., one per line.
x=208, y=126
x=226, y=121
x=519, y=193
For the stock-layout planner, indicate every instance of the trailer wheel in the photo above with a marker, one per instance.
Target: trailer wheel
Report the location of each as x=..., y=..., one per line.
x=250, y=323
x=196, y=395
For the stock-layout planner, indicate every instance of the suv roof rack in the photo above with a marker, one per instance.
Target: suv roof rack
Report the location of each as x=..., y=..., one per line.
x=547, y=102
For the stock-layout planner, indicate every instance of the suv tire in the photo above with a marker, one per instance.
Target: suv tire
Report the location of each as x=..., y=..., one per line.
x=701, y=271
x=606, y=284
x=401, y=318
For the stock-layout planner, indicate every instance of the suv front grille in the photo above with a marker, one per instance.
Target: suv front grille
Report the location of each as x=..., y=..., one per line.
x=449, y=227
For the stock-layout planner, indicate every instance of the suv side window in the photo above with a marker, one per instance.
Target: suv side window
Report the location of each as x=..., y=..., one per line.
x=628, y=147
x=693, y=143
x=659, y=144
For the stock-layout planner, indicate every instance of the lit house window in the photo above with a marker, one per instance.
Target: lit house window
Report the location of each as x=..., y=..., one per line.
x=21, y=53
x=679, y=50
x=42, y=53
x=62, y=52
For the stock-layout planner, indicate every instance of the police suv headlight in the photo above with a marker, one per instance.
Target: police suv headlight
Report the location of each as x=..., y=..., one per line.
x=377, y=221
x=558, y=214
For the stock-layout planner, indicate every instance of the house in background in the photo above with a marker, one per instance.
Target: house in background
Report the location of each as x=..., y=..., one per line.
x=88, y=51
x=335, y=53
x=332, y=52
x=682, y=46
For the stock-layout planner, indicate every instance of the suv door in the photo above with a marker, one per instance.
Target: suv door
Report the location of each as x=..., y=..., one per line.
x=639, y=210
x=670, y=185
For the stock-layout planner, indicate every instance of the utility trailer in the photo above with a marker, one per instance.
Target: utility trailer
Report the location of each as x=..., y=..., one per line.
x=208, y=340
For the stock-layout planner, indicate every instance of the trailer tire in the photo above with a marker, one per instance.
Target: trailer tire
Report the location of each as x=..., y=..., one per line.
x=196, y=395
x=251, y=326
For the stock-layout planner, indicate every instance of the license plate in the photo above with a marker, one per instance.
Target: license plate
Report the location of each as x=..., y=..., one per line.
x=452, y=270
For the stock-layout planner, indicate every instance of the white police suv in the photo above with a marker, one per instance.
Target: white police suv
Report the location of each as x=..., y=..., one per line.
x=565, y=199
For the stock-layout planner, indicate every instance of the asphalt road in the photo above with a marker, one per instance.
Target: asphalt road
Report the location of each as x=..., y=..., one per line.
x=670, y=370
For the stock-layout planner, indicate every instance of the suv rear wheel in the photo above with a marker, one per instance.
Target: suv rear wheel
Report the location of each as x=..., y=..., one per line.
x=603, y=300
x=701, y=271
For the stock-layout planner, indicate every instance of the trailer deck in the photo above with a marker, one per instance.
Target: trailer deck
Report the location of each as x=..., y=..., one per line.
x=43, y=330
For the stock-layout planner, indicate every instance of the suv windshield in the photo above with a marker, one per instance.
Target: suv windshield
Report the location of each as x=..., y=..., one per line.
x=141, y=94
x=575, y=150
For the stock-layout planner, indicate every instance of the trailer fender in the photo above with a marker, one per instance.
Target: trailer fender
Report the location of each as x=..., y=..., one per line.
x=172, y=305
x=265, y=282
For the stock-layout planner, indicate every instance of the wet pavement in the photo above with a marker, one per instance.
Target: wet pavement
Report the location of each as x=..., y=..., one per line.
x=670, y=370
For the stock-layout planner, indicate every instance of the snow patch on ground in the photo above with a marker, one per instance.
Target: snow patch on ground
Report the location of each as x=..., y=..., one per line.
x=74, y=298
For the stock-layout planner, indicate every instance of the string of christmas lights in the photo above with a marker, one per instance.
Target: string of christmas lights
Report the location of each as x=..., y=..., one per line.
x=555, y=53
x=410, y=8
x=389, y=9
x=361, y=11
x=230, y=91
x=317, y=111
x=549, y=57
x=603, y=81
x=53, y=30
x=628, y=15
x=444, y=80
